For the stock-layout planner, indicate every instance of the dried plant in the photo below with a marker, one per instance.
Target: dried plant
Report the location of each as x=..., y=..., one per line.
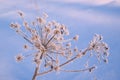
x=48, y=41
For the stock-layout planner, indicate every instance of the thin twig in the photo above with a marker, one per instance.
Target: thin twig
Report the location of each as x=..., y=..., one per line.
x=37, y=68
x=35, y=73
x=44, y=72
x=50, y=40
x=81, y=70
x=24, y=36
x=50, y=57
x=73, y=58
x=68, y=61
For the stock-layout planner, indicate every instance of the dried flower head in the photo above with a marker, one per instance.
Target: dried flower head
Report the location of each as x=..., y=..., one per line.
x=19, y=57
x=48, y=41
x=21, y=13
x=68, y=44
x=25, y=46
x=41, y=20
x=15, y=25
x=100, y=47
x=45, y=15
x=56, y=68
x=76, y=37
x=75, y=49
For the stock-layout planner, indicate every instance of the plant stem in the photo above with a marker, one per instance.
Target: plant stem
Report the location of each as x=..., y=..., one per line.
x=37, y=67
x=35, y=73
x=50, y=40
x=84, y=52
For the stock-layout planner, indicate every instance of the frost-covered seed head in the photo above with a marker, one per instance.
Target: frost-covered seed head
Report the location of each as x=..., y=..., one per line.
x=48, y=43
x=76, y=37
x=19, y=57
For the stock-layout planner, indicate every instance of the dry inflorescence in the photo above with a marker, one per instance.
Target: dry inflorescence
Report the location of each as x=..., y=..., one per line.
x=48, y=41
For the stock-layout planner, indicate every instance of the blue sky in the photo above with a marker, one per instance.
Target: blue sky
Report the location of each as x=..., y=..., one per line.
x=83, y=17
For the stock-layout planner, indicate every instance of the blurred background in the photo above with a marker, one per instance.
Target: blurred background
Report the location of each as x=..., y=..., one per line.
x=83, y=17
